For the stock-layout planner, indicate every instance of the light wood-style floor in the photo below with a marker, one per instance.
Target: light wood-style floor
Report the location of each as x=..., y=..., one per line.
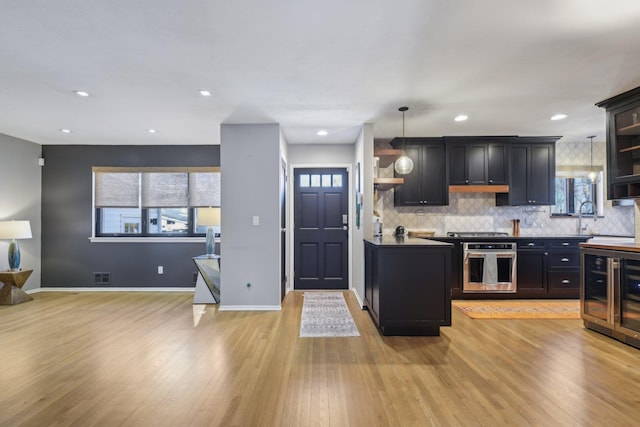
x=154, y=359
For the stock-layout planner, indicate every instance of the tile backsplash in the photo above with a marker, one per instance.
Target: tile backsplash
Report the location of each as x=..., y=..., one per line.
x=478, y=211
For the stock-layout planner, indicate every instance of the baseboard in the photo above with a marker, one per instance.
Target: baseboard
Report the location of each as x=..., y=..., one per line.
x=249, y=307
x=110, y=289
x=357, y=295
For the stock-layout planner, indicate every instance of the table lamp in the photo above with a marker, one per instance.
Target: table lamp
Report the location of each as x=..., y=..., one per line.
x=14, y=230
x=209, y=217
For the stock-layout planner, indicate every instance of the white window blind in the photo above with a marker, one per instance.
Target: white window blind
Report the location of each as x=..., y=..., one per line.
x=117, y=190
x=204, y=189
x=165, y=189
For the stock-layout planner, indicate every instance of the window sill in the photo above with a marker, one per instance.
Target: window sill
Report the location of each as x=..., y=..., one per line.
x=147, y=239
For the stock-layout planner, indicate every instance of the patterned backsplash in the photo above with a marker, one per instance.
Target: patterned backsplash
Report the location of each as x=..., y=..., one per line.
x=478, y=211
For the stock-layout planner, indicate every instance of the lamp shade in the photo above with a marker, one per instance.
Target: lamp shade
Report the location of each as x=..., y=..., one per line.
x=15, y=230
x=208, y=216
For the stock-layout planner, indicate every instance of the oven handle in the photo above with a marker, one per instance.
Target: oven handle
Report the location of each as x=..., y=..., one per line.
x=482, y=254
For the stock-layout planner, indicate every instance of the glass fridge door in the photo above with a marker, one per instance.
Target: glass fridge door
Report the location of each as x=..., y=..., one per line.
x=630, y=295
x=595, y=293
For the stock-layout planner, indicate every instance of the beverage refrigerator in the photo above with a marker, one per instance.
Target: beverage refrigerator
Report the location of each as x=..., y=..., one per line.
x=610, y=293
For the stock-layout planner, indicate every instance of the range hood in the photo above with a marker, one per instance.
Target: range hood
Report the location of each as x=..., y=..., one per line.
x=478, y=189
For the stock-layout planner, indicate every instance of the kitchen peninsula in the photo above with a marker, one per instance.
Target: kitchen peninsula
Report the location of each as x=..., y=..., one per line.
x=407, y=284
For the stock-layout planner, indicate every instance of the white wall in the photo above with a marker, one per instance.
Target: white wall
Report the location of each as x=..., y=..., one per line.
x=20, y=192
x=250, y=164
x=310, y=154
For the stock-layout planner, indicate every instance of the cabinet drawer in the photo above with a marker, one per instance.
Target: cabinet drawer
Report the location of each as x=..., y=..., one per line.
x=564, y=280
x=531, y=244
x=564, y=243
x=563, y=259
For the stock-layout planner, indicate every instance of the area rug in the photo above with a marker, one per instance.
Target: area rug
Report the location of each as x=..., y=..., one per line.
x=325, y=314
x=520, y=309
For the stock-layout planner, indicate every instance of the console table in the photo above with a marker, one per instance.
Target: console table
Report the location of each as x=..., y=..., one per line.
x=12, y=282
x=208, y=282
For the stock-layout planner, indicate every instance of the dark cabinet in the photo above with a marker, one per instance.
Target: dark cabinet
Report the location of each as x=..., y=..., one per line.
x=427, y=184
x=407, y=287
x=533, y=169
x=623, y=144
x=532, y=267
x=474, y=161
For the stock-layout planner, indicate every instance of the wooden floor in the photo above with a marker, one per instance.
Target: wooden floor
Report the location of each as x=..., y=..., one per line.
x=154, y=359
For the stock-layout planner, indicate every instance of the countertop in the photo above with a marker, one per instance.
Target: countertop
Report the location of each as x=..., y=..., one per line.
x=404, y=241
x=613, y=245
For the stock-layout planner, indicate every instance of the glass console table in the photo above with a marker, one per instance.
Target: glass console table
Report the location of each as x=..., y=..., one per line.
x=208, y=281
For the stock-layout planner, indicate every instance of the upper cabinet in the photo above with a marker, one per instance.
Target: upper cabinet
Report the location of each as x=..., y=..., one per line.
x=533, y=169
x=623, y=144
x=426, y=184
x=478, y=161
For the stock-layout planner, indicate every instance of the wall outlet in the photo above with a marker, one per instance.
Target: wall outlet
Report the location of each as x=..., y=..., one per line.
x=160, y=269
x=256, y=220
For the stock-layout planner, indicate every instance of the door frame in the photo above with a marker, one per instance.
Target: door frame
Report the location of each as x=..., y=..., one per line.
x=291, y=210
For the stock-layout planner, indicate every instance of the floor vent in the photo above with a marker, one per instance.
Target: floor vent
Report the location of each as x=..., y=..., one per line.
x=101, y=278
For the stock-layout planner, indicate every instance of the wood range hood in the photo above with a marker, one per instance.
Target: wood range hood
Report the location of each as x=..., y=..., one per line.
x=478, y=189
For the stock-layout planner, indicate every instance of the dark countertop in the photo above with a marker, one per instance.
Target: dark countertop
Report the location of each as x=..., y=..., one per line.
x=404, y=241
x=511, y=238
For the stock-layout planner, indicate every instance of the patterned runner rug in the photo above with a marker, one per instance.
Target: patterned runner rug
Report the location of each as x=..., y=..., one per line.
x=520, y=309
x=325, y=314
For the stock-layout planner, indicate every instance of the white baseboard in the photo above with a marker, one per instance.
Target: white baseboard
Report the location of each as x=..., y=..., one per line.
x=249, y=307
x=110, y=289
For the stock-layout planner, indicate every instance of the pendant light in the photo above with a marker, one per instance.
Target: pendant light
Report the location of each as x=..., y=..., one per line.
x=593, y=175
x=403, y=164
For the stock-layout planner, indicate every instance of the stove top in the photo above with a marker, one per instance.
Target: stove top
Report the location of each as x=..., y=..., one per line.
x=475, y=233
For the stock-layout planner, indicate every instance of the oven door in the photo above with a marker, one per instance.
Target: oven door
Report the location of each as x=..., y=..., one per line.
x=490, y=271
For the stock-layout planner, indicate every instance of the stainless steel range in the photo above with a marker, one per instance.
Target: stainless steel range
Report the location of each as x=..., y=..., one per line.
x=488, y=266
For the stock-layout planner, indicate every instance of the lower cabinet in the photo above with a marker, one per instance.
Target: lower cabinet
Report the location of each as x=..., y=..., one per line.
x=549, y=268
x=407, y=288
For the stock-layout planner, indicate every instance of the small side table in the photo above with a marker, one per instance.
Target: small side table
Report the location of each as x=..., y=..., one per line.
x=12, y=282
x=208, y=282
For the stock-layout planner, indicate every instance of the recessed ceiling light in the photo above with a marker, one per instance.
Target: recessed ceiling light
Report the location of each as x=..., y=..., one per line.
x=558, y=117
x=461, y=118
x=81, y=93
x=65, y=130
x=204, y=92
x=322, y=133
x=151, y=130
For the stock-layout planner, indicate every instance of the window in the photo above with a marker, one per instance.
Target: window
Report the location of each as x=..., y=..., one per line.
x=153, y=202
x=576, y=191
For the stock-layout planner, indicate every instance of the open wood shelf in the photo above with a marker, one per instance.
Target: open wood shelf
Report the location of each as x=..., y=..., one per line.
x=629, y=130
x=635, y=147
x=387, y=156
x=383, y=184
x=478, y=189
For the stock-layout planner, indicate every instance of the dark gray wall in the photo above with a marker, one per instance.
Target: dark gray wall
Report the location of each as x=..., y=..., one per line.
x=69, y=259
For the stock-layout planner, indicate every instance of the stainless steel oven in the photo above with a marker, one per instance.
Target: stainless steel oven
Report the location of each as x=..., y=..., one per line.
x=489, y=267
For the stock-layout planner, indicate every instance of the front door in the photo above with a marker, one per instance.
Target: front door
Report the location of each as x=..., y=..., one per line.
x=321, y=228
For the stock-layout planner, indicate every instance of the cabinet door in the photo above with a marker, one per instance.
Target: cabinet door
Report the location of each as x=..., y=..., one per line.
x=477, y=164
x=497, y=164
x=541, y=177
x=531, y=272
x=519, y=172
x=458, y=165
x=409, y=193
x=433, y=175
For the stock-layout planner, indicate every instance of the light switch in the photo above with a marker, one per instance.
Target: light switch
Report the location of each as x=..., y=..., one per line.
x=256, y=220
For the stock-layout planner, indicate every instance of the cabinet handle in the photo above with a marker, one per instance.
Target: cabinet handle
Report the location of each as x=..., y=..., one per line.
x=566, y=282
x=531, y=244
x=490, y=181
x=565, y=244
x=466, y=181
x=565, y=260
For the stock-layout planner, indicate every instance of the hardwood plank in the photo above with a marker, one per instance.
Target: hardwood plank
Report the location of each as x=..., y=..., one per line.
x=137, y=359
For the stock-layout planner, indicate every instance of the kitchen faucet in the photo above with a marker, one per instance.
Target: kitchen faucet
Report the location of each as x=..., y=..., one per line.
x=595, y=214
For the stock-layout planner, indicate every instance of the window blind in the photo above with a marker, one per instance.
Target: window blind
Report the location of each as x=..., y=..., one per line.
x=117, y=190
x=165, y=189
x=204, y=189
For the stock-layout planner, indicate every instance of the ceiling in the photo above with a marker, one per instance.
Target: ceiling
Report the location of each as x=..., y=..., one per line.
x=310, y=65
